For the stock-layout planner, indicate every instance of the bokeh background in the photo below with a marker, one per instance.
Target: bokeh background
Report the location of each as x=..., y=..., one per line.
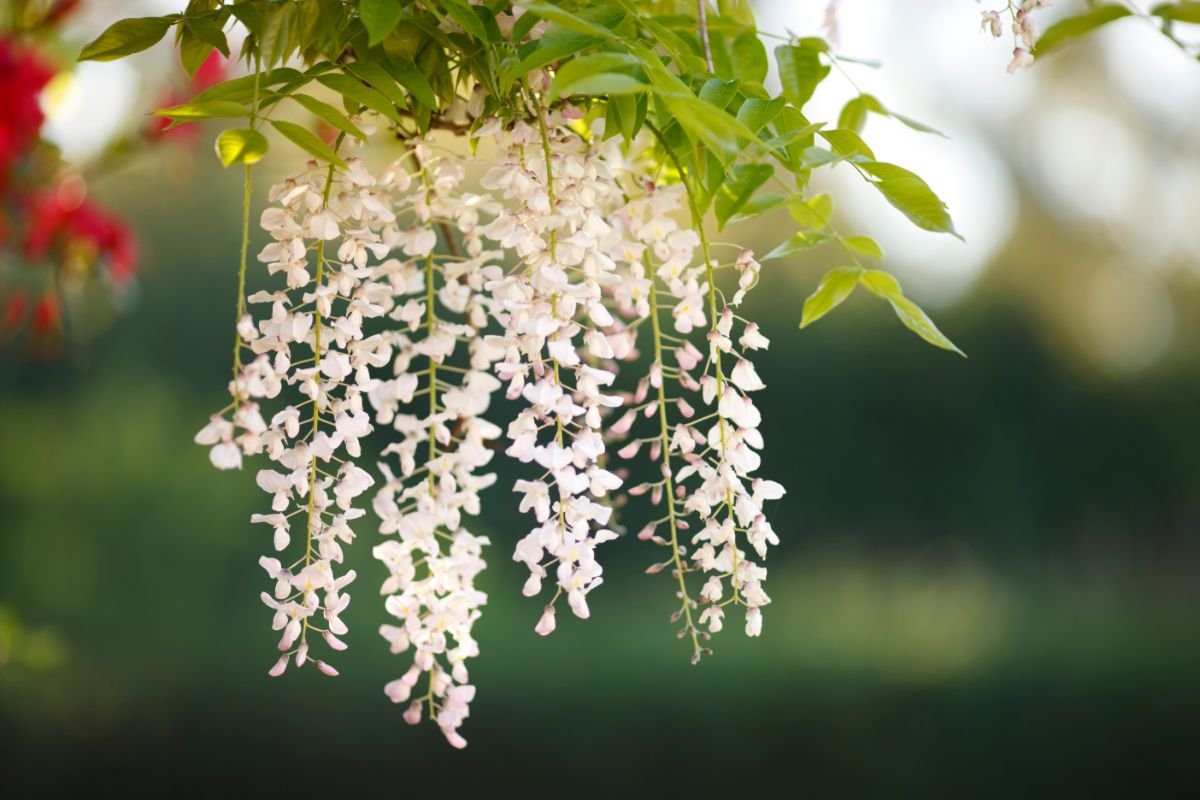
x=988, y=577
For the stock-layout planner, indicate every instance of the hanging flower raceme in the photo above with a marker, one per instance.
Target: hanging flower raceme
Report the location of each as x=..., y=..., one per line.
x=705, y=463
x=405, y=298
x=433, y=559
x=311, y=361
x=557, y=192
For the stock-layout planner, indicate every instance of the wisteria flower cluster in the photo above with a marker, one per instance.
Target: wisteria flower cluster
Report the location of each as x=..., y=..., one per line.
x=542, y=286
x=554, y=299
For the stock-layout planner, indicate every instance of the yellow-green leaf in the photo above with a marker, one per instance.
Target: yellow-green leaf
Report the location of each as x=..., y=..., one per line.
x=590, y=67
x=800, y=70
x=912, y=196
x=206, y=109
x=241, y=146
x=863, y=246
x=835, y=286
x=885, y=285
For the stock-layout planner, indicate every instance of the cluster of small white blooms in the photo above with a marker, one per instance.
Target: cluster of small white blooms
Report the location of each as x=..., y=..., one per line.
x=557, y=194
x=1024, y=31
x=596, y=252
x=433, y=560
x=715, y=485
x=311, y=357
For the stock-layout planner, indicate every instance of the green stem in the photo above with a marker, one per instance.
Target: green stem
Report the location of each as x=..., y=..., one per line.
x=316, y=416
x=247, y=192
x=553, y=201
x=430, y=325
x=698, y=224
x=665, y=443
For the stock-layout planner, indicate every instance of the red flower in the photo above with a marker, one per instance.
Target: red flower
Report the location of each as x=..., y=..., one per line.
x=63, y=219
x=22, y=77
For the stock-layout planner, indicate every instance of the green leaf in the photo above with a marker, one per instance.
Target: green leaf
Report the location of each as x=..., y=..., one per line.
x=796, y=243
x=307, y=140
x=1078, y=25
x=720, y=132
x=623, y=116
x=912, y=196
x=379, y=17
x=590, y=66
x=757, y=114
x=848, y=144
x=192, y=53
x=249, y=15
x=854, y=115
x=242, y=89
x=241, y=146
x=465, y=16
x=835, y=286
x=280, y=33
x=208, y=109
x=758, y=205
x=719, y=92
x=817, y=157
x=568, y=20
x=605, y=83
x=380, y=80
x=209, y=31
x=813, y=212
x=361, y=94
x=749, y=57
x=559, y=43
x=863, y=246
x=330, y=114
x=1183, y=11
x=914, y=124
x=407, y=75
x=737, y=189
x=800, y=70
x=885, y=285
x=125, y=38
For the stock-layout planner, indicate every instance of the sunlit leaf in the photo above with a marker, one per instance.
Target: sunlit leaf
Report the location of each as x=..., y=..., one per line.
x=749, y=57
x=885, y=285
x=800, y=70
x=863, y=246
x=210, y=109
x=835, y=286
x=241, y=146
x=592, y=66
x=757, y=114
x=797, y=243
x=847, y=144
x=912, y=196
